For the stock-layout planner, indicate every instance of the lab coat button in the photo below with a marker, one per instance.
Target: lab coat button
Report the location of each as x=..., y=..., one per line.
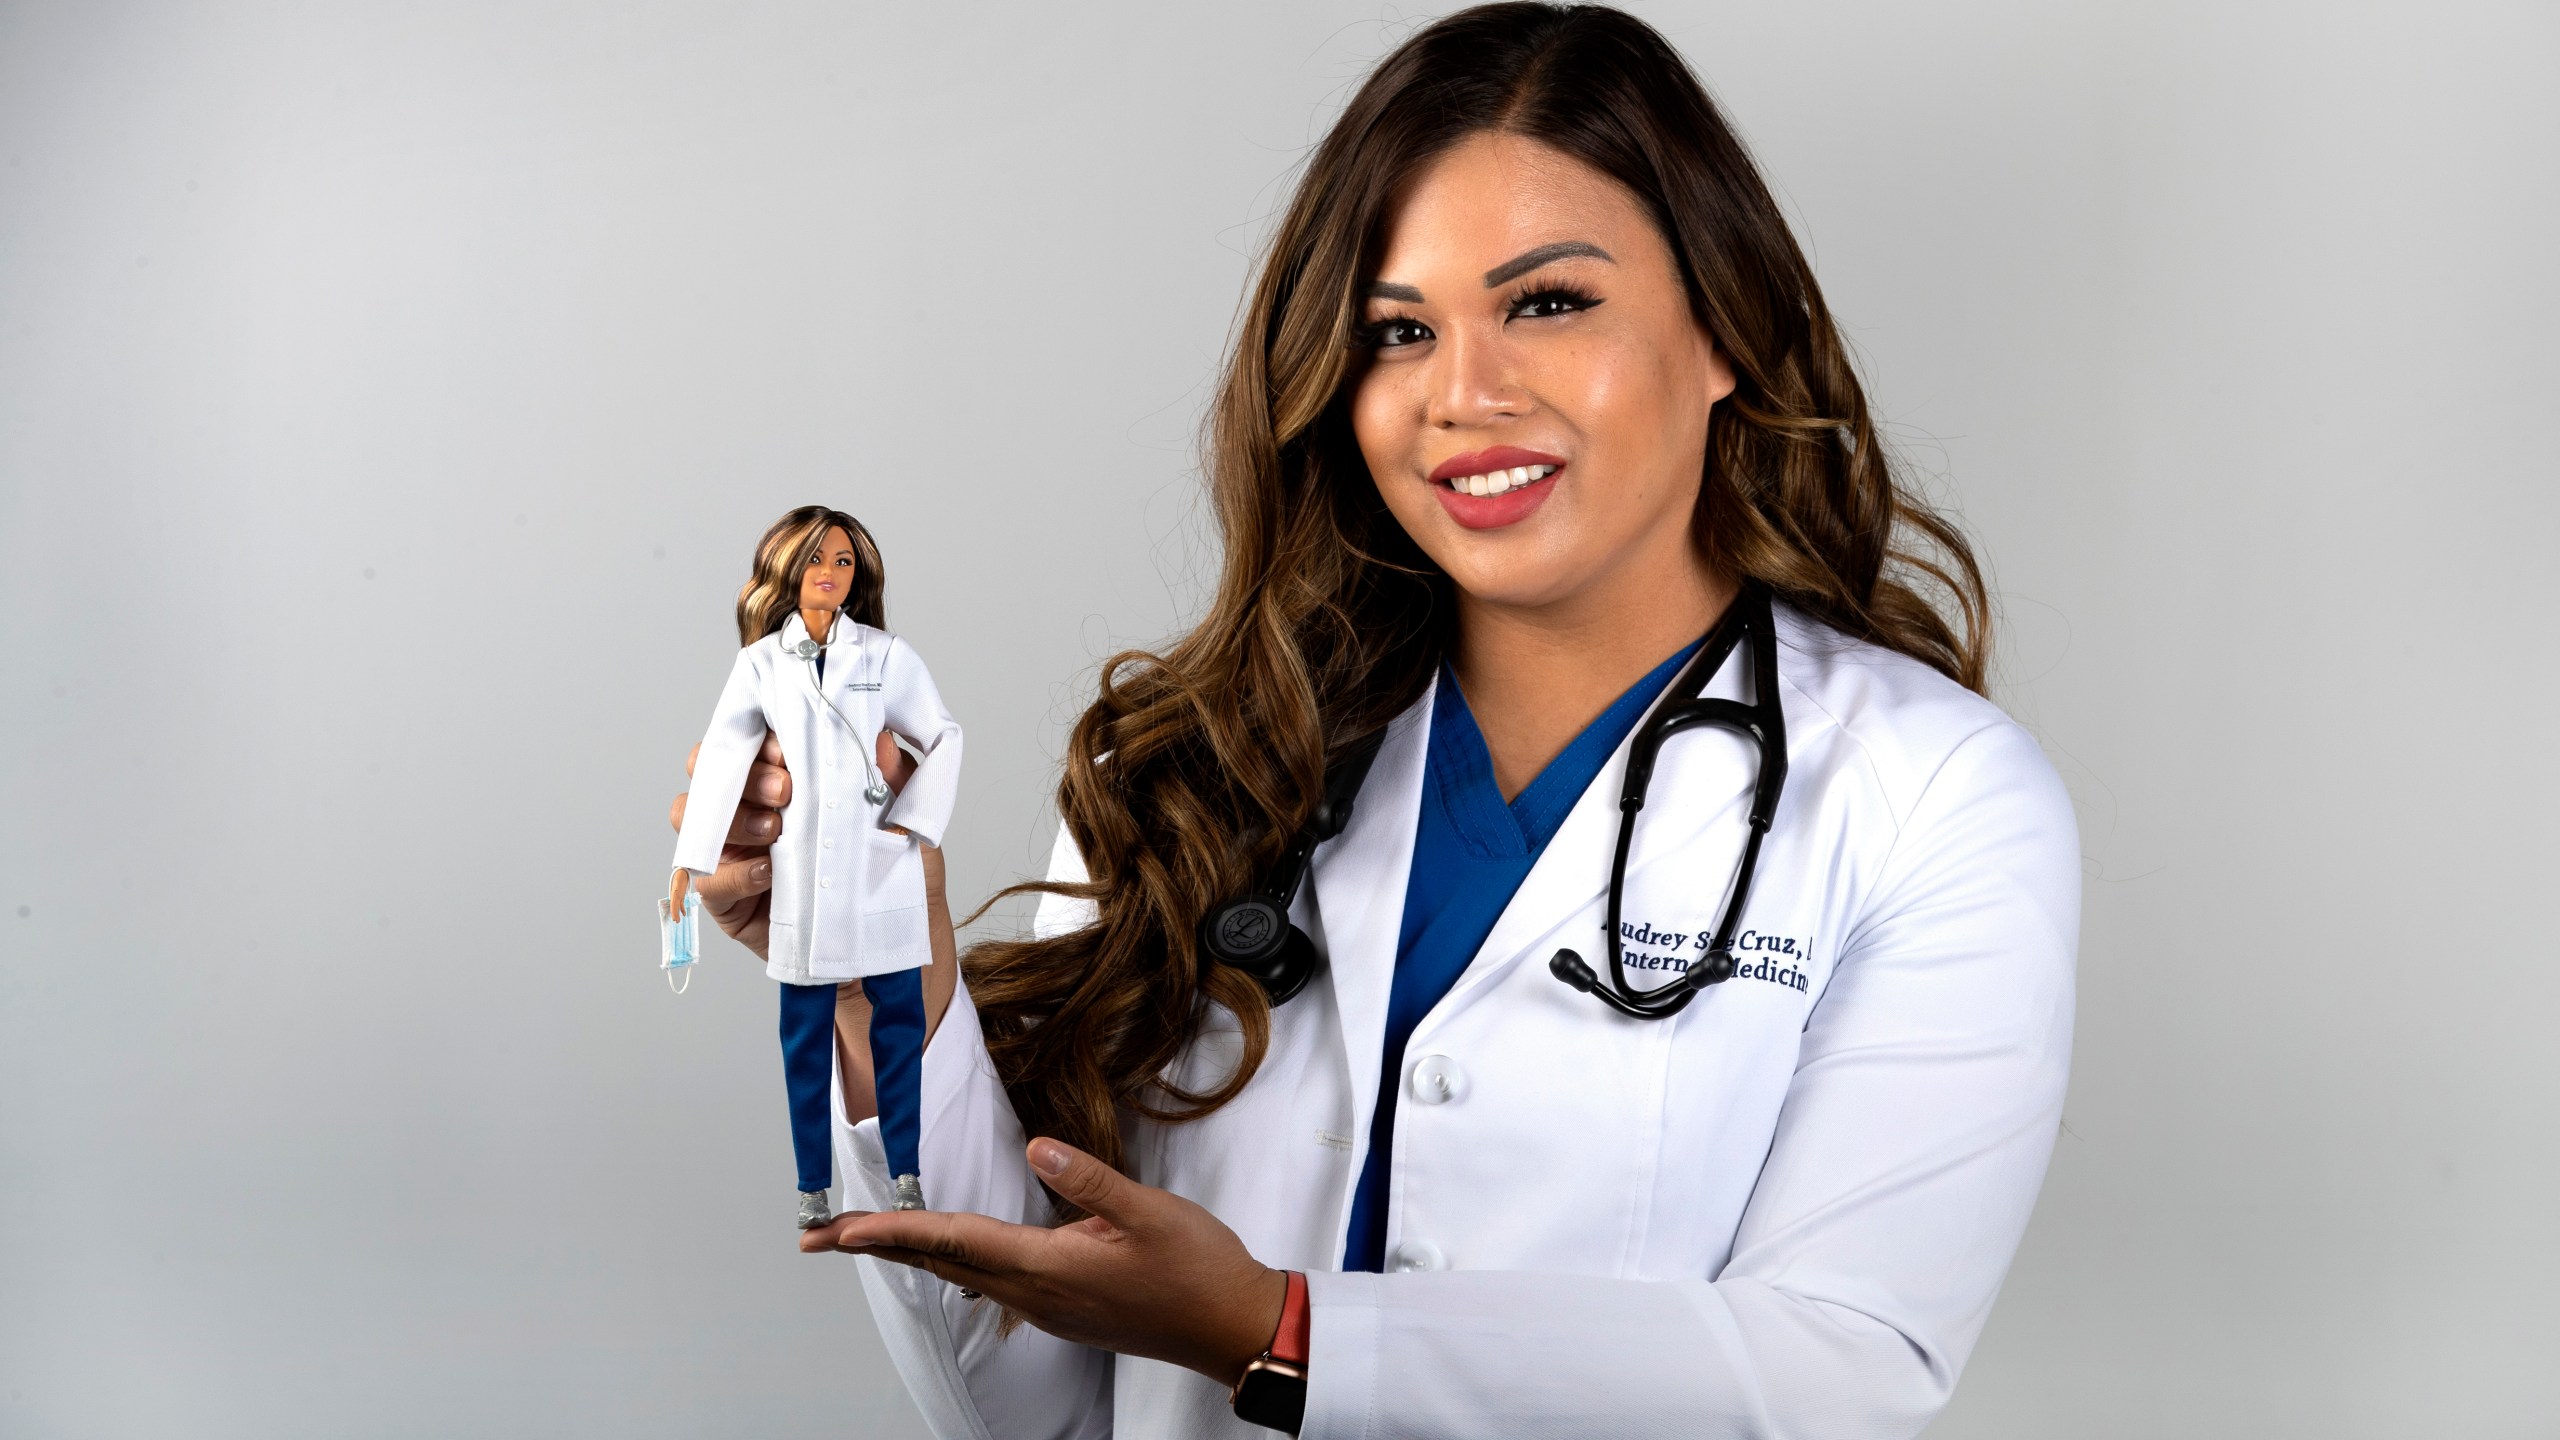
x=1437, y=1080
x=826, y=844
x=826, y=884
x=1417, y=1255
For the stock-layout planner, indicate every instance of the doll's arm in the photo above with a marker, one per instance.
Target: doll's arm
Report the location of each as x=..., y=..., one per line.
x=720, y=769
x=911, y=706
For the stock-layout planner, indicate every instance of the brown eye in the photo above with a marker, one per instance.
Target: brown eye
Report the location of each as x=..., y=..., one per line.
x=1394, y=334
x=1550, y=301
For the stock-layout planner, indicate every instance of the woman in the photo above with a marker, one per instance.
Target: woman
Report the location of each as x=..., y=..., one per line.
x=818, y=676
x=1534, y=393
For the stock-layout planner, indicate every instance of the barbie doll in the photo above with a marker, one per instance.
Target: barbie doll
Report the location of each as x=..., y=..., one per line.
x=848, y=899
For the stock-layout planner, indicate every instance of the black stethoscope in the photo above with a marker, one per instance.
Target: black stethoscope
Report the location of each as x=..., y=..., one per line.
x=1254, y=935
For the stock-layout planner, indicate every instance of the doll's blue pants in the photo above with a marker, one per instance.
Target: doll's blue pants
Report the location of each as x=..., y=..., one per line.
x=897, y=1070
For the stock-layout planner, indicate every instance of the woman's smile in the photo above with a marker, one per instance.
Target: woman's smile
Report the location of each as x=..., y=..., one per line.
x=1488, y=489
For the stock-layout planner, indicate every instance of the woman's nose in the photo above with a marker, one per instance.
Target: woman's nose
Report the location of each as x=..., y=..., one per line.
x=1472, y=383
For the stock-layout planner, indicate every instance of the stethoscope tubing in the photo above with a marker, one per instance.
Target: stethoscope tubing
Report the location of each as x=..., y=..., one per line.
x=1763, y=723
x=876, y=787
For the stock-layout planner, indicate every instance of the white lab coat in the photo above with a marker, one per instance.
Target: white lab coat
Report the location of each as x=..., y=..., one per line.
x=1784, y=1212
x=848, y=894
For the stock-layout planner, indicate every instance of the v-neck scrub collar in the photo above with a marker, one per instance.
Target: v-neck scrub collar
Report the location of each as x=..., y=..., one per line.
x=1471, y=850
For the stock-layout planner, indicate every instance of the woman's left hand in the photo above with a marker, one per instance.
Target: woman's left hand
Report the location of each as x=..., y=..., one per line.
x=1146, y=1273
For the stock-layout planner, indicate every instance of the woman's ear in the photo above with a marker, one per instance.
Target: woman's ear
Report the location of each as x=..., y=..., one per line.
x=1720, y=381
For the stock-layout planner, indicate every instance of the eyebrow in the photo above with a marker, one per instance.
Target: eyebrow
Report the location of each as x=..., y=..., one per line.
x=1519, y=265
x=1511, y=269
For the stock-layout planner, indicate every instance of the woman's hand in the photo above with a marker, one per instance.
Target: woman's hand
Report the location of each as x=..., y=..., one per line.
x=1147, y=1273
x=738, y=895
x=853, y=1008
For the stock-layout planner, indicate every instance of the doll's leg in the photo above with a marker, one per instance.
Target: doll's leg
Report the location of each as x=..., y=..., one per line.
x=808, y=1067
x=897, y=1074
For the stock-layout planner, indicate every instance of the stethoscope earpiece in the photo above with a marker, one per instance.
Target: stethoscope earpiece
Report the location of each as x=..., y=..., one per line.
x=1569, y=968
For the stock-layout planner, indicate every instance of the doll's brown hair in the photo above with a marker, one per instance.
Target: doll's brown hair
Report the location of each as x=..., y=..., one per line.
x=773, y=592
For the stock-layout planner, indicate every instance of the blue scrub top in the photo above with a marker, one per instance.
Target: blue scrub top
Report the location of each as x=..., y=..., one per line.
x=1470, y=853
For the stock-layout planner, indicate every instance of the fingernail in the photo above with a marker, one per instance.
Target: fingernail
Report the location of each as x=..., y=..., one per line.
x=1049, y=1157
x=762, y=874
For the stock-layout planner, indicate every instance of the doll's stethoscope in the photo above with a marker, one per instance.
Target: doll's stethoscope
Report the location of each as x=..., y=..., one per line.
x=809, y=651
x=1254, y=935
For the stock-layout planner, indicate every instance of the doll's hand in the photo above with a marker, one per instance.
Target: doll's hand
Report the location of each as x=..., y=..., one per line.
x=738, y=895
x=1146, y=1273
x=896, y=766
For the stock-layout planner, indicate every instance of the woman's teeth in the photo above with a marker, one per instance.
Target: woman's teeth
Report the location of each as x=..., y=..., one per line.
x=1497, y=481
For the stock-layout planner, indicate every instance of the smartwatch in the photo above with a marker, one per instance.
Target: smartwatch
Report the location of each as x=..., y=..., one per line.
x=1273, y=1392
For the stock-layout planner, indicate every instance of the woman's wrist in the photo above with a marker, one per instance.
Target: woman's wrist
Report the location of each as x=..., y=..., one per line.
x=1255, y=1320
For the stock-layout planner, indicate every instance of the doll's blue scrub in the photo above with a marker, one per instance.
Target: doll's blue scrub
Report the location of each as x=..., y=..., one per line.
x=897, y=1067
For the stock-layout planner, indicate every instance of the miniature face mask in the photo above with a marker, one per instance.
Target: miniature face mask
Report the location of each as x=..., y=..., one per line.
x=679, y=939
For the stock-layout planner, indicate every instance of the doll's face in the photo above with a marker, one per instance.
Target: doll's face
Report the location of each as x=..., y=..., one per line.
x=1535, y=390
x=826, y=581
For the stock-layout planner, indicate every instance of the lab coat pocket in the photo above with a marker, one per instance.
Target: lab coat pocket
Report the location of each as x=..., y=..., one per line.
x=894, y=935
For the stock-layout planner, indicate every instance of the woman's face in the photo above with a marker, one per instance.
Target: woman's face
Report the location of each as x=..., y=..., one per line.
x=826, y=582
x=1526, y=313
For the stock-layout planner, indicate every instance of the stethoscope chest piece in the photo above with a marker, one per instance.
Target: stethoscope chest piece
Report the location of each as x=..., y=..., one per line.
x=1253, y=934
x=876, y=791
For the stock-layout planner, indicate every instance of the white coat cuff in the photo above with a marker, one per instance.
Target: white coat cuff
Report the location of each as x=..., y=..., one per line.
x=1343, y=1344
x=928, y=831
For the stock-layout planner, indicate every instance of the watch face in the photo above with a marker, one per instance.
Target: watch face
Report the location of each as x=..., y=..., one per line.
x=1273, y=1397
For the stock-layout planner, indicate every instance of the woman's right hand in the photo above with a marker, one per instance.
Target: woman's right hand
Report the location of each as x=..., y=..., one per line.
x=739, y=895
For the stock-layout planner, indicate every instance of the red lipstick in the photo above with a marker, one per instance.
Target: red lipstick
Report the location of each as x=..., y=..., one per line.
x=1492, y=512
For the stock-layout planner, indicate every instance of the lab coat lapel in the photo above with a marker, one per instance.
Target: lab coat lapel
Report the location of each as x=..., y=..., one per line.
x=1359, y=882
x=844, y=665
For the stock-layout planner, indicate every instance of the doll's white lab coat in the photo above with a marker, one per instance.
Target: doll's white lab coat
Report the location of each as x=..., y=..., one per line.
x=848, y=893
x=1783, y=1212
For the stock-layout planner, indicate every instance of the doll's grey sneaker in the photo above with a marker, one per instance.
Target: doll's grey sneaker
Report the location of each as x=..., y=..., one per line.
x=814, y=1210
x=910, y=1193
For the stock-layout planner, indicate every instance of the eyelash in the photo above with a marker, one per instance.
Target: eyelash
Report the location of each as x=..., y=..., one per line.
x=1372, y=336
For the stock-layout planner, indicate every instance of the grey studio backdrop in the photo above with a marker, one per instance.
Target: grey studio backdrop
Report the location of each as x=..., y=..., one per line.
x=389, y=397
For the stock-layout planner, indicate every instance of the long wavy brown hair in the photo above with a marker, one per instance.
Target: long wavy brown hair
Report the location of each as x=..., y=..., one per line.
x=772, y=591
x=1193, y=767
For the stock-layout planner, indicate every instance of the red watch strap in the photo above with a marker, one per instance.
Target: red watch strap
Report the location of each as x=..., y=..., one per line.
x=1289, y=1342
